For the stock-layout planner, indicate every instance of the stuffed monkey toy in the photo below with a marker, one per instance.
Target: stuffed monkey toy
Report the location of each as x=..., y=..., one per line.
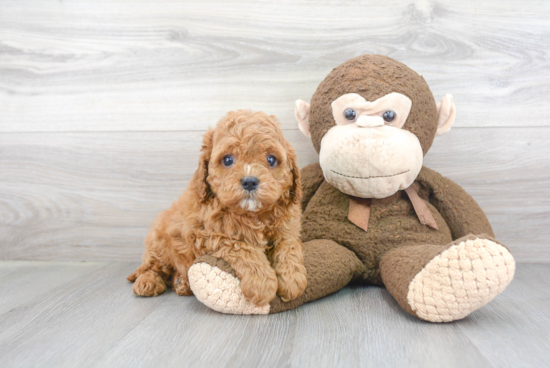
x=372, y=214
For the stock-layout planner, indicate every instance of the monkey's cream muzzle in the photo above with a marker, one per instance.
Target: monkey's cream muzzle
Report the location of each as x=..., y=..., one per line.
x=369, y=160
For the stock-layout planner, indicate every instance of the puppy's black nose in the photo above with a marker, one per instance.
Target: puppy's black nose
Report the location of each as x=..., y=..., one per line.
x=250, y=183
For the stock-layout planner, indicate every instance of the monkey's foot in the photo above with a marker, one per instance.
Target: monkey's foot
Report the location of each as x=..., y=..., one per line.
x=216, y=285
x=460, y=280
x=444, y=283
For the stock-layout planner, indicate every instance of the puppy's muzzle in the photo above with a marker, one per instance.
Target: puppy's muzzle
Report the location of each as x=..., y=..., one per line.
x=250, y=183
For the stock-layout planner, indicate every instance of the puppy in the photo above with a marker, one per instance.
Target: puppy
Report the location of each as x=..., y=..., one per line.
x=243, y=206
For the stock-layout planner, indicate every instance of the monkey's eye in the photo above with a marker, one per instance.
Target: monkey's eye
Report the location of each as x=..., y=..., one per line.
x=227, y=160
x=389, y=116
x=350, y=114
x=272, y=161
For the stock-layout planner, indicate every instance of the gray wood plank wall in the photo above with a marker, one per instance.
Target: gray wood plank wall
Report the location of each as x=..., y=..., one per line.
x=102, y=104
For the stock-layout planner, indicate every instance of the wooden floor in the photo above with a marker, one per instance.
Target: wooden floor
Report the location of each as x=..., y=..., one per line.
x=70, y=314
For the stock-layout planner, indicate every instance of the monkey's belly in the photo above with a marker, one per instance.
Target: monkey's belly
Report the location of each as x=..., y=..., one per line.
x=393, y=223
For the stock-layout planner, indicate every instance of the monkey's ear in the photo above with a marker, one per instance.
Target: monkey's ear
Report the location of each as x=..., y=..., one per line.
x=446, y=115
x=301, y=112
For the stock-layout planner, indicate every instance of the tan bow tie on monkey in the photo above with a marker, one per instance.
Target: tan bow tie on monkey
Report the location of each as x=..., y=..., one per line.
x=372, y=120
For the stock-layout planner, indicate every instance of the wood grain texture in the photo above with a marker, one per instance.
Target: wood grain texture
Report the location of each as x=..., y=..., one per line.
x=91, y=319
x=102, y=104
x=180, y=65
x=85, y=196
x=92, y=196
x=507, y=172
x=21, y=282
x=77, y=321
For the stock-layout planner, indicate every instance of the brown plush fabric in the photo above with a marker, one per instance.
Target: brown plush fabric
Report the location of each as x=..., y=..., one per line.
x=399, y=266
x=216, y=262
x=460, y=211
x=393, y=223
x=311, y=177
x=373, y=76
x=329, y=267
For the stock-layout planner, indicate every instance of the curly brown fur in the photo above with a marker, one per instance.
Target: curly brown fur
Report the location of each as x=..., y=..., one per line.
x=257, y=233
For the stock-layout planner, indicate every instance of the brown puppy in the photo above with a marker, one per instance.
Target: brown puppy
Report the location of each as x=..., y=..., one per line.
x=243, y=206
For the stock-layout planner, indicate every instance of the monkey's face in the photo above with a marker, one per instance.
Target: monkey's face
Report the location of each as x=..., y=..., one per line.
x=367, y=154
x=372, y=120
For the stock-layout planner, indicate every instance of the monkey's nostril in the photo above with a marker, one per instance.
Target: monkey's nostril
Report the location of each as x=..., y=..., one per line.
x=250, y=183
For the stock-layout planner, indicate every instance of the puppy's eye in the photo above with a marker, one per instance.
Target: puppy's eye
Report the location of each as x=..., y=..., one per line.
x=228, y=161
x=350, y=114
x=272, y=161
x=389, y=116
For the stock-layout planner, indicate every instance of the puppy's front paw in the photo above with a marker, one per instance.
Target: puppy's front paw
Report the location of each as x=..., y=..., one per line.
x=181, y=286
x=259, y=287
x=292, y=282
x=149, y=283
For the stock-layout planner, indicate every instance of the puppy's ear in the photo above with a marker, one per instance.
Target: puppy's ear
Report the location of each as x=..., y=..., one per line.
x=296, y=187
x=199, y=183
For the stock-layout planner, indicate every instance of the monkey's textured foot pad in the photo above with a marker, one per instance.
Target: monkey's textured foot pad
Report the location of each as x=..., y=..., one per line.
x=220, y=290
x=460, y=280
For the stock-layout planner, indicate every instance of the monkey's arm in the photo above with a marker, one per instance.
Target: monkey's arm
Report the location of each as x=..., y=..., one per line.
x=461, y=212
x=311, y=177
